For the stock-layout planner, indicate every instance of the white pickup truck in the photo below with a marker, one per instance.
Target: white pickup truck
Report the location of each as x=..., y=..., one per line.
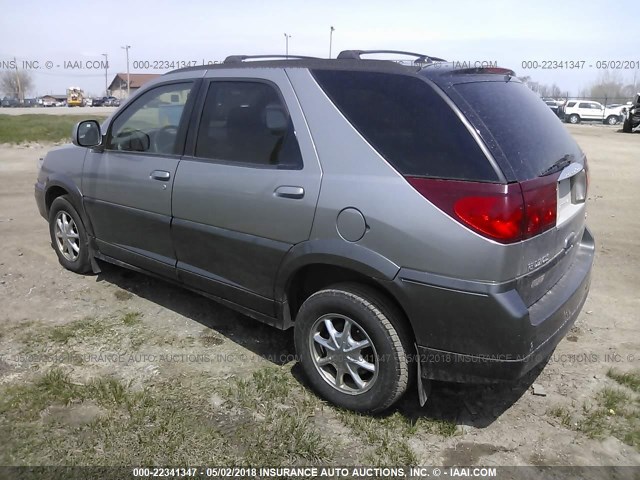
x=576, y=111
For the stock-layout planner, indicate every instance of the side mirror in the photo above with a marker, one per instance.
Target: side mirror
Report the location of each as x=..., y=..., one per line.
x=87, y=134
x=276, y=119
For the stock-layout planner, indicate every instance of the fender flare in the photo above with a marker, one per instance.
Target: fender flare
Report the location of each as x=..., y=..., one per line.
x=335, y=252
x=77, y=199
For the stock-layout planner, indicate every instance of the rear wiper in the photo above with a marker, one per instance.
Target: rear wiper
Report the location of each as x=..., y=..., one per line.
x=559, y=165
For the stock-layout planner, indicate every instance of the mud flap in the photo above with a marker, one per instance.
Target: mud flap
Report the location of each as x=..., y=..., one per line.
x=424, y=387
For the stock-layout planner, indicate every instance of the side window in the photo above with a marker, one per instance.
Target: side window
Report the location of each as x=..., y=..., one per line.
x=584, y=105
x=408, y=123
x=571, y=104
x=150, y=123
x=247, y=122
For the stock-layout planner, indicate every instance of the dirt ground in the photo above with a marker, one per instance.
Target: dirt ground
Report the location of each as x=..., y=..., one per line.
x=494, y=425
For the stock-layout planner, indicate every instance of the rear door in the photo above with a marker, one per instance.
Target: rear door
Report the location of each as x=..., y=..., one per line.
x=127, y=186
x=247, y=188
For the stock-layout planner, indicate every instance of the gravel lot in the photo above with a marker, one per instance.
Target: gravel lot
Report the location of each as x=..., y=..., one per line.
x=494, y=425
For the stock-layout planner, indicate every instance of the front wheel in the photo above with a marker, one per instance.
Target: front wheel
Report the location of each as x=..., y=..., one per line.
x=354, y=347
x=68, y=236
x=626, y=126
x=575, y=119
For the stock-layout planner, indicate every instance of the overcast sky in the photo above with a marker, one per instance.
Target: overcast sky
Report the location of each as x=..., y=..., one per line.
x=508, y=32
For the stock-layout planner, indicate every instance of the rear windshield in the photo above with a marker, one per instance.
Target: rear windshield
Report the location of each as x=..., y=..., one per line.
x=529, y=134
x=408, y=123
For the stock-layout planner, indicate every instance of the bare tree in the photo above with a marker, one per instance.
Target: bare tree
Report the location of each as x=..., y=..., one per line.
x=16, y=83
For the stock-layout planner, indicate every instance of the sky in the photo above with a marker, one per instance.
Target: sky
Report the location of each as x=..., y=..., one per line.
x=164, y=31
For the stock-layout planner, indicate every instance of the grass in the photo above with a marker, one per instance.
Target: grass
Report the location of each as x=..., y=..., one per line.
x=167, y=426
x=563, y=415
x=39, y=127
x=275, y=418
x=616, y=411
x=630, y=380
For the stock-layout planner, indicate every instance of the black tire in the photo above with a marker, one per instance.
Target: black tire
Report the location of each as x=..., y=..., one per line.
x=612, y=120
x=81, y=263
x=574, y=119
x=626, y=126
x=381, y=322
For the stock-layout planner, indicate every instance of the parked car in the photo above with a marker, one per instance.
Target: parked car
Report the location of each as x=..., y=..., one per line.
x=397, y=257
x=632, y=115
x=576, y=111
x=553, y=105
x=111, y=102
x=10, y=102
x=97, y=102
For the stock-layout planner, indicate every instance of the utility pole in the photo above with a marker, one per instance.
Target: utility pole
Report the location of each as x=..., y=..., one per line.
x=286, y=39
x=127, y=47
x=18, y=84
x=106, y=74
x=330, y=39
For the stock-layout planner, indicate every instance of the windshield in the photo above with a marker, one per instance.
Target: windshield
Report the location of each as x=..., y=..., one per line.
x=526, y=131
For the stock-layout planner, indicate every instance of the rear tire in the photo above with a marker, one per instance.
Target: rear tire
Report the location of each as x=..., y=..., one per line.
x=611, y=120
x=574, y=119
x=69, y=236
x=355, y=347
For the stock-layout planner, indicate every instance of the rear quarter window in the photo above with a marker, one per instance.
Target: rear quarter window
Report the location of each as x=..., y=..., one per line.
x=408, y=123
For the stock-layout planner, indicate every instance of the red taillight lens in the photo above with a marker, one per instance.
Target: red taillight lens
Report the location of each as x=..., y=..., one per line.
x=499, y=217
x=540, y=204
x=505, y=213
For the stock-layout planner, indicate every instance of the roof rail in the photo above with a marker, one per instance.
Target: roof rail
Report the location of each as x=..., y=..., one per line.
x=242, y=58
x=420, y=57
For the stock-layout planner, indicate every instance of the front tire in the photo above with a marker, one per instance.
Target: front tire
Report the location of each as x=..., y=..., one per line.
x=68, y=236
x=355, y=347
x=626, y=126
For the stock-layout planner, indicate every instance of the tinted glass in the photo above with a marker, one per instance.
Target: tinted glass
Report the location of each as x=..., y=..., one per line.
x=247, y=122
x=571, y=104
x=528, y=133
x=150, y=123
x=408, y=123
x=584, y=105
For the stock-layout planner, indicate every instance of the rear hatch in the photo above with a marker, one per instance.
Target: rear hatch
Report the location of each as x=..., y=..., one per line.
x=534, y=149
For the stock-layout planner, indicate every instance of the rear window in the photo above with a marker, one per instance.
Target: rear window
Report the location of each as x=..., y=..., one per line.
x=525, y=129
x=408, y=123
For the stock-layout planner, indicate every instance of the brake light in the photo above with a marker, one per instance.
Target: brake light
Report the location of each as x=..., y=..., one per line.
x=505, y=213
x=540, y=204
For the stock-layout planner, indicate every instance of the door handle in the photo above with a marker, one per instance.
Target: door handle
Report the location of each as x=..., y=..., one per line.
x=286, y=191
x=161, y=175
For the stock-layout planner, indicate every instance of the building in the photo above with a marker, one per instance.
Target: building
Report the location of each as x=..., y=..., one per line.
x=51, y=100
x=118, y=86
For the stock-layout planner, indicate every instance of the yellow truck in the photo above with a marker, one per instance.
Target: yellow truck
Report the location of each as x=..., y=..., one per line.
x=75, y=97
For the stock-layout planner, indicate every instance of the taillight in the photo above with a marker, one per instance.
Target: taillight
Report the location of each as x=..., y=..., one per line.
x=505, y=213
x=540, y=204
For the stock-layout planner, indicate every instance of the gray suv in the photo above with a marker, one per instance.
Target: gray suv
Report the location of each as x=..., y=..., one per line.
x=397, y=216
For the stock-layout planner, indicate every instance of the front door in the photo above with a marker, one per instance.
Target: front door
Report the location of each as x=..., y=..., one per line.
x=127, y=185
x=243, y=196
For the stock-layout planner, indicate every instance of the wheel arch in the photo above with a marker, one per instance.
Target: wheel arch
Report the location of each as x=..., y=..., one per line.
x=58, y=185
x=311, y=266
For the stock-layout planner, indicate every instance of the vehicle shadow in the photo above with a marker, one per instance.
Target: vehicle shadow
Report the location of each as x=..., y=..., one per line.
x=269, y=343
x=471, y=405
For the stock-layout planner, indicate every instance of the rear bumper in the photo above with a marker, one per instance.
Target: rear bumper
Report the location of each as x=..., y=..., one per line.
x=477, y=332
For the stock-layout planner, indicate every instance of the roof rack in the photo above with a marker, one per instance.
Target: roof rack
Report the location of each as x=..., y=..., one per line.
x=420, y=57
x=242, y=58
